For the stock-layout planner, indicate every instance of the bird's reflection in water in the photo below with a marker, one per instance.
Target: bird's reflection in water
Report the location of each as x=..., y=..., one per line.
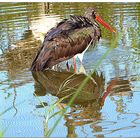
x=64, y=83
x=87, y=106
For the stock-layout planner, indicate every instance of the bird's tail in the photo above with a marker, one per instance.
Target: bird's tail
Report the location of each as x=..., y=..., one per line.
x=39, y=65
x=41, y=61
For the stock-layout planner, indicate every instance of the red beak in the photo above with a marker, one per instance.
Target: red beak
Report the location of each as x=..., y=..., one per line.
x=98, y=18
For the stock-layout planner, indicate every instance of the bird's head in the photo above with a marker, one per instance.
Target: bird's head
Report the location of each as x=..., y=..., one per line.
x=95, y=18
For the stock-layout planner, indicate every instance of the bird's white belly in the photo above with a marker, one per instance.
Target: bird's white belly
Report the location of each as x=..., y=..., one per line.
x=81, y=55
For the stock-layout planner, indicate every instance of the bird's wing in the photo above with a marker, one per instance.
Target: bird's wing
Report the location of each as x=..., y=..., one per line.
x=67, y=25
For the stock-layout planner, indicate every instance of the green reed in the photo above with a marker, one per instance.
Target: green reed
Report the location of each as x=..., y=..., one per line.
x=2, y=132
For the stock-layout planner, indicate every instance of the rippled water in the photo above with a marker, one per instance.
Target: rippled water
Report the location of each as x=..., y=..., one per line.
x=108, y=109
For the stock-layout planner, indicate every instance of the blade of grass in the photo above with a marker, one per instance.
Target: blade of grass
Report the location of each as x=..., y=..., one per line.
x=3, y=132
x=57, y=102
x=40, y=101
x=2, y=113
x=56, y=123
x=56, y=113
x=8, y=109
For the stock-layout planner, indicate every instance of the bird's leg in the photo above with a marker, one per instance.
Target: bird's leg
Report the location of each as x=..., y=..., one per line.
x=57, y=67
x=74, y=64
x=82, y=69
x=67, y=64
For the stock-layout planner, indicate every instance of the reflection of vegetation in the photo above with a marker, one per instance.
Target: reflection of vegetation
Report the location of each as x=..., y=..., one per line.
x=9, y=108
x=15, y=20
x=119, y=90
x=2, y=132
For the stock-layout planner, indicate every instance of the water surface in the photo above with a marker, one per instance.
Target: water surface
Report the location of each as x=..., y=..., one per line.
x=108, y=109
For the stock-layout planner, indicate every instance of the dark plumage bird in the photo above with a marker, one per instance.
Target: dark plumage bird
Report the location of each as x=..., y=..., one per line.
x=70, y=37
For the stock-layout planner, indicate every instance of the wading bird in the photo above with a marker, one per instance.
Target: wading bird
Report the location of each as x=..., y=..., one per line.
x=71, y=37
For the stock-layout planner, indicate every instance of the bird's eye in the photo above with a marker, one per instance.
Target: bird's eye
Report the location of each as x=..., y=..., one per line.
x=93, y=13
